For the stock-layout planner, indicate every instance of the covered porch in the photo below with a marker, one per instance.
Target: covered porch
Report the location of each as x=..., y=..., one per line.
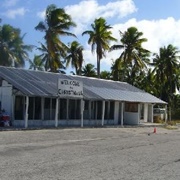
x=57, y=112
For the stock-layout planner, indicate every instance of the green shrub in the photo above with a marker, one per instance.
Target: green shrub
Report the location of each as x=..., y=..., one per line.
x=157, y=119
x=175, y=113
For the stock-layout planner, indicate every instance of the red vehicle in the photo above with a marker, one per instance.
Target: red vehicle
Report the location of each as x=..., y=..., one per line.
x=4, y=119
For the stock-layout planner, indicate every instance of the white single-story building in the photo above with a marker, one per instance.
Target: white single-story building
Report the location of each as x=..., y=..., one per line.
x=41, y=99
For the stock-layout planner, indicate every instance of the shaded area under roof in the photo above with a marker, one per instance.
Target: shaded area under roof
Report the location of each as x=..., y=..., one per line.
x=44, y=84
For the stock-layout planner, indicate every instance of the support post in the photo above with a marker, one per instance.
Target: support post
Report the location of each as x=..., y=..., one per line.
x=50, y=109
x=139, y=113
x=12, y=109
x=89, y=109
x=122, y=114
x=108, y=110
x=165, y=114
x=103, y=112
x=26, y=111
x=42, y=108
x=57, y=111
x=145, y=113
x=152, y=114
x=82, y=109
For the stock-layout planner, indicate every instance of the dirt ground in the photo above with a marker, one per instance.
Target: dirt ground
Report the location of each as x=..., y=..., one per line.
x=90, y=153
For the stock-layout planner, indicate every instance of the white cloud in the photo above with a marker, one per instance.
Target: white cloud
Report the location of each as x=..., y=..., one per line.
x=158, y=32
x=85, y=12
x=15, y=12
x=89, y=57
x=10, y=3
x=41, y=14
x=118, y=8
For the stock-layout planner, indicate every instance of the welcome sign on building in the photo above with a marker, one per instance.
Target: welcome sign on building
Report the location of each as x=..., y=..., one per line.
x=70, y=88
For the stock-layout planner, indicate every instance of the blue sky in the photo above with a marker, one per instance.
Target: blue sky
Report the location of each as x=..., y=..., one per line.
x=158, y=20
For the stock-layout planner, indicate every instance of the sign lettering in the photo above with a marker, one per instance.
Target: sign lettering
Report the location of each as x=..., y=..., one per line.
x=70, y=88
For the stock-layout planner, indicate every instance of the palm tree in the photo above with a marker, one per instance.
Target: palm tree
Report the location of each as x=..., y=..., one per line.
x=167, y=73
x=56, y=24
x=13, y=51
x=118, y=70
x=99, y=38
x=75, y=57
x=36, y=64
x=47, y=60
x=89, y=71
x=105, y=75
x=133, y=55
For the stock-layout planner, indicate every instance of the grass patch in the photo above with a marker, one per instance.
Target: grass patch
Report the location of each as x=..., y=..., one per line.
x=172, y=124
x=170, y=127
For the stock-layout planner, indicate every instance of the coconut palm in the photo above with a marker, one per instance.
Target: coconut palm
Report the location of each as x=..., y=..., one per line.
x=36, y=64
x=133, y=55
x=57, y=24
x=105, y=75
x=118, y=70
x=167, y=71
x=13, y=51
x=89, y=70
x=47, y=60
x=75, y=57
x=99, y=38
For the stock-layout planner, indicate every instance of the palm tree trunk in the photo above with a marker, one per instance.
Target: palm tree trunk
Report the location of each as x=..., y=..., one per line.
x=98, y=66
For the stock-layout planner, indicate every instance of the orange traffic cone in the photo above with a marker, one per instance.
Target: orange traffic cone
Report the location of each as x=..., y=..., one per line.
x=154, y=130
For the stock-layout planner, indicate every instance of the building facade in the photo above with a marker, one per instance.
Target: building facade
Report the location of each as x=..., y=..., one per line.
x=42, y=99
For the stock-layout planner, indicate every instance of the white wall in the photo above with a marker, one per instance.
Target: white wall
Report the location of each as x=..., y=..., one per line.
x=6, y=97
x=131, y=118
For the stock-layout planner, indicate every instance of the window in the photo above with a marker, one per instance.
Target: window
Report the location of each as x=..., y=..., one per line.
x=62, y=109
x=37, y=109
x=74, y=109
x=18, y=108
x=93, y=110
x=131, y=107
x=99, y=109
x=86, y=105
x=111, y=114
x=34, y=110
x=47, y=109
x=86, y=109
x=31, y=108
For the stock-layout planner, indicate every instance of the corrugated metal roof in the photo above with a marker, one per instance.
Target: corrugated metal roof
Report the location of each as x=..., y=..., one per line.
x=38, y=83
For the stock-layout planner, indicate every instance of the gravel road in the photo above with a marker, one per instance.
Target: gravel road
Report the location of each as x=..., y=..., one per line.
x=90, y=154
